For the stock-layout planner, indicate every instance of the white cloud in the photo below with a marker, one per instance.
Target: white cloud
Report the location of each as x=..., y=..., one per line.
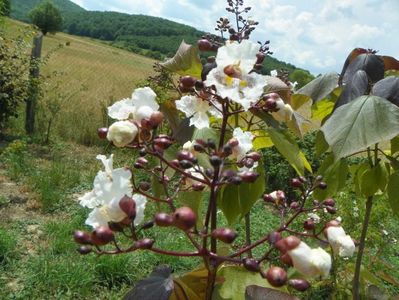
x=312, y=34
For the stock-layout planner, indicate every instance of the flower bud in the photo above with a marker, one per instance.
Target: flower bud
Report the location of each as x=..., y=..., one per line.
x=144, y=186
x=128, y=206
x=227, y=150
x=286, y=259
x=144, y=244
x=276, y=276
x=84, y=250
x=249, y=176
x=156, y=118
x=329, y=202
x=268, y=198
x=294, y=205
x=299, y=284
x=251, y=264
x=184, y=218
x=308, y=224
x=122, y=133
x=225, y=235
x=288, y=243
x=188, y=81
x=147, y=225
x=236, y=180
x=82, y=237
x=185, y=164
x=204, y=45
x=102, y=235
x=322, y=185
x=215, y=161
x=163, y=143
x=274, y=237
x=233, y=142
x=185, y=155
x=254, y=155
x=102, y=132
x=163, y=220
x=331, y=210
x=198, y=187
x=260, y=57
x=296, y=183
x=249, y=162
x=211, y=144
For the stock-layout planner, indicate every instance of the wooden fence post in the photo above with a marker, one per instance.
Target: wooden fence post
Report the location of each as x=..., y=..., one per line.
x=33, y=90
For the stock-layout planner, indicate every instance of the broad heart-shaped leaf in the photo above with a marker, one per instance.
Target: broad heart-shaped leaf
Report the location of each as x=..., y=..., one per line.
x=393, y=192
x=236, y=279
x=158, y=286
x=372, y=64
x=236, y=201
x=185, y=62
x=194, y=284
x=372, y=180
x=361, y=123
x=322, y=109
x=184, y=131
x=395, y=145
x=321, y=145
x=254, y=292
x=354, y=53
x=276, y=85
x=387, y=88
x=390, y=63
x=262, y=139
x=287, y=146
x=356, y=87
x=320, y=87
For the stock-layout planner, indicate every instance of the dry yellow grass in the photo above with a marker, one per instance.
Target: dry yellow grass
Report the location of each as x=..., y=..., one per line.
x=94, y=74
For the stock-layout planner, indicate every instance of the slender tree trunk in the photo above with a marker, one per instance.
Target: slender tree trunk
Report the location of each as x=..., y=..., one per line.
x=33, y=90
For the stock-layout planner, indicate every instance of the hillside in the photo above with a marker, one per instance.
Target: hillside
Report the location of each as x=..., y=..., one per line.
x=87, y=75
x=145, y=35
x=21, y=8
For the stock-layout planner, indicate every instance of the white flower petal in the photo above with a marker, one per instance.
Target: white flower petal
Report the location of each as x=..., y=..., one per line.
x=140, y=207
x=341, y=243
x=145, y=97
x=97, y=217
x=121, y=110
x=122, y=133
x=244, y=143
x=108, y=163
x=187, y=105
x=89, y=200
x=200, y=120
x=242, y=54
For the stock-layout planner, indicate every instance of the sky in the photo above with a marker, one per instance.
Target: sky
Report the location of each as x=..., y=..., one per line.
x=316, y=35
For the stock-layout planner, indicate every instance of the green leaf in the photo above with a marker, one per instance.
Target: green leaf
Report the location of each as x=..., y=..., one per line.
x=290, y=150
x=361, y=123
x=262, y=139
x=393, y=192
x=193, y=283
x=276, y=85
x=394, y=145
x=254, y=292
x=205, y=134
x=369, y=182
x=322, y=109
x=321, y=145
x=236, y=279
x=185, y=62
x=320, y=87
x=236, y=201
x=298, y=100
x=335, y=174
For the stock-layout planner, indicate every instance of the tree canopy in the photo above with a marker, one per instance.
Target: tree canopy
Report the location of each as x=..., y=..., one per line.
x=47, y=17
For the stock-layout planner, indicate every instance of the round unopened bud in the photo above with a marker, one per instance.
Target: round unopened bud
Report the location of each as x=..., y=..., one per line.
x=286, y=259
x=225, y=235
x=234, y=37
x=204, y=45
x=102, y=132
x=249, y=162
x=271, y=104
x=303, y=179
x=254, y=155
x=268, y=198
x=329, y=202
x=274, y=237
x=331, y=210
x=142, y=161
x=236, y=180
x=334, y=223
x=299, y=284
x=185, y=164
x=198, y=147
x=142, y=152
x=163, y=143
x=296, y=183
x=211, y=144
x=185, y=155
x=276, y=276
x=144, y=244
x=147, y=225
x=233, y=142
x=156, y=118
x=144, y=186
x=319, y=178
x=163, y=220
x=198, y=187
x=215, y=161
x=260, y=57
x=322, y=185
x=294, y=205
x=145, y=134
x=84, y=250
x=232, y=71
x=184, y=218
x=308, y=224
x=249, y=176
x=288, y=243
x=188, y=81
x=251, y=264
x=82, y=237
x=102, y=236
x=128, y=206
x=227, y=150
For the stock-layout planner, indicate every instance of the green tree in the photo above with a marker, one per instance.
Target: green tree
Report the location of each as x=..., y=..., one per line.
x=5, y=7
x=301, y=76
x=47, y=17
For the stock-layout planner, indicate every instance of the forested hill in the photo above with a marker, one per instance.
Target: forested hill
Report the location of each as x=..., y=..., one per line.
x=149, y=36
x=21, y=8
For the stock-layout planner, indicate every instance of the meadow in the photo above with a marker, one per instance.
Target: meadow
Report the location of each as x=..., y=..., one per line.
x=40, y=183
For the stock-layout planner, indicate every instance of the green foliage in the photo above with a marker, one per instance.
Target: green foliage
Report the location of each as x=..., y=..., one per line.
x=302, y=77
x=5, y=7
x=8, y=244
x=14, y=70
x=47, y=17
x=21, y=8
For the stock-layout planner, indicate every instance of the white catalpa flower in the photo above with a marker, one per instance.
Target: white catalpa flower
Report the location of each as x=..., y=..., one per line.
x=315, y=217
x=284, y=112
x=140, y=106
x=310, y=262
x=341, y=243
x=193, y=172
x=197, y=109
x=110, y=186
x=122, y=133
x=273, y=73
x=244, y=143
x=231, y=77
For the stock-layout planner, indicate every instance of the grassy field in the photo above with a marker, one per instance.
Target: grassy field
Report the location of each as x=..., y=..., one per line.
x=88, y=76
